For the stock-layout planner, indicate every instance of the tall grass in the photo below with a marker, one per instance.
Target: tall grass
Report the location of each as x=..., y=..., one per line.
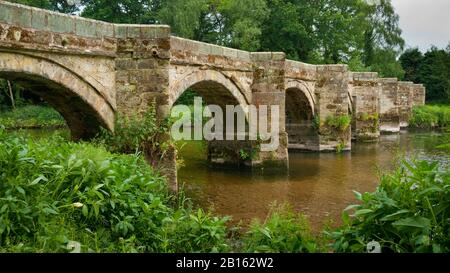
x=430, y=116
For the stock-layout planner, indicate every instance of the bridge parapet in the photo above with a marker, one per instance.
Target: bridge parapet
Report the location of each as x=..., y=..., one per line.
x=301, y=71
x=36, y=29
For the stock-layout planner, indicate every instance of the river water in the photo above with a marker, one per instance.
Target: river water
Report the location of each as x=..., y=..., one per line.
x=320, y=185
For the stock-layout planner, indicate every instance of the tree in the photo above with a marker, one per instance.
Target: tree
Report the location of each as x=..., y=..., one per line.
x=382, y=30
x=123, y=11
x=411, y=60
x=56, y=5
x=434, y=73
x=288, y=28
x=183, y=16
x=386, y=64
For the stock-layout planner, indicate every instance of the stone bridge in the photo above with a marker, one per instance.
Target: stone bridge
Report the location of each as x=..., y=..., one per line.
x=90, y=70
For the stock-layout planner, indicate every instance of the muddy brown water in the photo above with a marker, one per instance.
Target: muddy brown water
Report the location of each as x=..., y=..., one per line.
x=320, y=185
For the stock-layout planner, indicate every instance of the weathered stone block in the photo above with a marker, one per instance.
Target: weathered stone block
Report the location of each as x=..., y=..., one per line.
x=39, y=20
x=85, y=28
x=120, y=32
x=126, y=64
x=61, y=24
x=147, y=63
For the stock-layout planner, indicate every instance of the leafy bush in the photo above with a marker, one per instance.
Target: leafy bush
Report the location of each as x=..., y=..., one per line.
x=409, y=212
x=59, y=196
x=147, y=134
x=31, y=116
x=283, y=231
x=430, y=116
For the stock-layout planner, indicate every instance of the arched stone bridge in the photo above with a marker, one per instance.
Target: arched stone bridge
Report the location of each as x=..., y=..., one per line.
x=91, y=70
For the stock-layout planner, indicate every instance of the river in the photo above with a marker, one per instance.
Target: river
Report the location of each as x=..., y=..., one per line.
x=320, y=185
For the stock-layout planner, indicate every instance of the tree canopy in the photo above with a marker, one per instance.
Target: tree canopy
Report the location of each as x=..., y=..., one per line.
x=432, y=69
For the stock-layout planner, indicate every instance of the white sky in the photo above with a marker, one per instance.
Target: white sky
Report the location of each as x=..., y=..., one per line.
x=424, y=22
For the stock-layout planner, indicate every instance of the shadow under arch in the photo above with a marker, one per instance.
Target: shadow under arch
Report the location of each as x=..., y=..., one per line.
x=300, y=113
x=216, y=89
x=81, y=105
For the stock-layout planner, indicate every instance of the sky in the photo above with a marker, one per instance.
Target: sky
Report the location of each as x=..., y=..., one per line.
x=424, y=22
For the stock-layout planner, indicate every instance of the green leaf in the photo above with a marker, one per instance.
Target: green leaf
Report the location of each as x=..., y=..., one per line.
x=85, y=211
x=39, y=179
x=393, y=216
x=20, y=189
x=266, y=232
x=413, y=222
x=358, y=195
x=362, y=212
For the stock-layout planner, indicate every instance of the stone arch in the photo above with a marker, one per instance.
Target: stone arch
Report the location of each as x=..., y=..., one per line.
x=301, y=93
x=81, y=105
x=212, y=85
x=300, y=111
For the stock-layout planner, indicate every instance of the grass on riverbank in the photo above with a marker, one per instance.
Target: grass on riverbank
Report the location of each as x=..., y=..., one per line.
x=430, y=116
x=31, y=116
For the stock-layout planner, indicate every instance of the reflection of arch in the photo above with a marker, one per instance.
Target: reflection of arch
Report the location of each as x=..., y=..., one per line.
x=79, y=103
x=213, y=86
x=303, y=90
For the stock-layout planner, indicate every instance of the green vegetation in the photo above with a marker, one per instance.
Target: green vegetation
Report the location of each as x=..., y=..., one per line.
x=430, y=116
x=432, y=69
x=339, y=123
x=409, y=212
x=284, y=231
x=57, y=195
x=31, y=116
x=146, y=134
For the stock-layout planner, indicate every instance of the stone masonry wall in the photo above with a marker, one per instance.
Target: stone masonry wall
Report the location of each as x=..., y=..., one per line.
x=142, y=78
x=366, y=94
x=268, y=89
x=389, y=110
x=405, y=98
x=418, y=95
x=331, y=92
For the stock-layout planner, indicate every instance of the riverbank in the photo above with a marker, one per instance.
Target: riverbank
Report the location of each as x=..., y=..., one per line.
x=430, y=116
x=31, y=117
x=60, y=196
